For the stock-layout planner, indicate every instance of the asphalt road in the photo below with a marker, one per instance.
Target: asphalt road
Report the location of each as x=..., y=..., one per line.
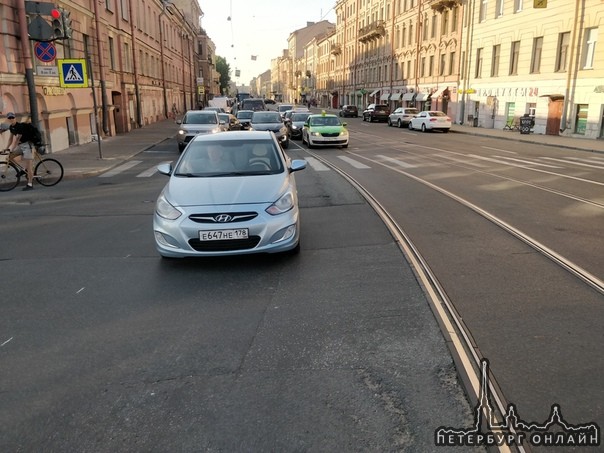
x=106, y=347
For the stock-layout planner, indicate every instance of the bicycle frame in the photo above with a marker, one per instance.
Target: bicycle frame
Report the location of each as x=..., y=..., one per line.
x=47, y=171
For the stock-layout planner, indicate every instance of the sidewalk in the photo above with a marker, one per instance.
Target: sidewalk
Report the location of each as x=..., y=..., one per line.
x=86, y=160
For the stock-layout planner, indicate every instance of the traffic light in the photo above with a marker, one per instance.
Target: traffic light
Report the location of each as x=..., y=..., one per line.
x=65, y=16
x=57, y=23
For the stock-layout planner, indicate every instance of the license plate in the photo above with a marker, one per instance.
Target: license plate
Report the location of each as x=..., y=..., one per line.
x=221, y=235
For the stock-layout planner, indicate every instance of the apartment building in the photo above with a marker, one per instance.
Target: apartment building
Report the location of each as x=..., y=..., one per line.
x=483, y=62
x=141, y=64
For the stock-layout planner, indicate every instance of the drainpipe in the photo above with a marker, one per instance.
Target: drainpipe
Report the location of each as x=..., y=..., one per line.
x=139, y=121
x=29, y=71
x=571, y=74
x=99, y=46
x=161, y=53
x=466, y=64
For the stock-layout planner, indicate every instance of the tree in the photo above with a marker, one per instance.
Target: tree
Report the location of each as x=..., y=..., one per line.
x=224, y=70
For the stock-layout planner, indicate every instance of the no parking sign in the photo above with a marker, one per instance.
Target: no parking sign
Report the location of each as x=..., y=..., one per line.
x=45, y=51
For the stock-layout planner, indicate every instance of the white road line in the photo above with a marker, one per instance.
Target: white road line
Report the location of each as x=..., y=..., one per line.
x=6, y=341
x=396, y=161
x=600, y=167
x=462, y=161
x=354, y=163
x=121, y=168
x=316, y=165
x=500, y=150
x=151, y=171
x=530, y=162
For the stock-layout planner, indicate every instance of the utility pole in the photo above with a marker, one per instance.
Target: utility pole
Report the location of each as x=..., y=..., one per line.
x=29, y=70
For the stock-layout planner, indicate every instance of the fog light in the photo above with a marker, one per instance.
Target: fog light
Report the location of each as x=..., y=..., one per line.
x=165, y=240
x=284, y=234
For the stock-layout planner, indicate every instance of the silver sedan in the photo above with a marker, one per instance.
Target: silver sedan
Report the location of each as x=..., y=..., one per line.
x=229, y=194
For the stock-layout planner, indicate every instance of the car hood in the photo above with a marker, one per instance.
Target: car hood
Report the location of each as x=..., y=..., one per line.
x=327, y=129
x=208, y=191
x=198, y=127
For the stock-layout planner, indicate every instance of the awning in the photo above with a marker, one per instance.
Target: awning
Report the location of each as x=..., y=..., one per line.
x=373, y=93
x=420, y=97
x=408, y=96
x=360, y=92
x=396, y=97
x=384, y=96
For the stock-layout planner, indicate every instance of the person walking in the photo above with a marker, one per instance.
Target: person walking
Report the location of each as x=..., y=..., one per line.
x=21, y=147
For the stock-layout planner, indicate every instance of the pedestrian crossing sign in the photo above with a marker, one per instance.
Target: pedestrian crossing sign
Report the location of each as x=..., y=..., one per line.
x=72, y=73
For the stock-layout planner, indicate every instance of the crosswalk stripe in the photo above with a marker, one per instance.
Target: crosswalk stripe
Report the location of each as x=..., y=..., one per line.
x=599, y=167
x=396, y=161
x=353, y=162
x=151, y=171
x=120, y=168
x=316, y=164
x=527, y=162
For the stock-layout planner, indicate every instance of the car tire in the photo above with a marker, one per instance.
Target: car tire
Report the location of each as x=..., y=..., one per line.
x=423, y=128
x=345, y=146
x=400, y=124
x=445, y=131
x=310, y=145
x=410, y=126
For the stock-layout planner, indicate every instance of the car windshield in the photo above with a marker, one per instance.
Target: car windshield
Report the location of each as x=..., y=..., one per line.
x=285, y=108
x=412, y=111
x=245, y=115
x=436, y=114
x=229, y=158
x=266, y=117
x=325, y=121
x=300, y=116
x=200, y=118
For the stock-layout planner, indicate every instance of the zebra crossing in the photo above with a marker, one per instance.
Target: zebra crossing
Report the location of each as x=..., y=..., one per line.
x=411, y=162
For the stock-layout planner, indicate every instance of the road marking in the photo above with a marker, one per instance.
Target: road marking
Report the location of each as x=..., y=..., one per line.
x=396, y=161
x=316, y=165
x=600, y=167
x=500, y=150
x=7, y=341
x=151, y=171
x=120, y=169
x=354, y=163
x=530, y=162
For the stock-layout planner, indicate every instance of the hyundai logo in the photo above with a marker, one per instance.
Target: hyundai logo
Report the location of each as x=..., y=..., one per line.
x=223, y=218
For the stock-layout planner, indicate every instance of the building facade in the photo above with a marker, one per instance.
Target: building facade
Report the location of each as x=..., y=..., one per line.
x=140, y=65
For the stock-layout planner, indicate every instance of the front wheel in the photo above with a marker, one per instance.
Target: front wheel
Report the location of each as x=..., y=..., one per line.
x=410, y=126
x=48, y=172
x=400, y=124
x=423, y=128
x=9, y=177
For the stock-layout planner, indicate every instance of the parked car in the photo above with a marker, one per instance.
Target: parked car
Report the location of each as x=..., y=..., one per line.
x=197, y=122
x=401, y=116
x=271, y=121
x=376, y=112
x=295, y=123
x=254, y=104
x=324, y=130
x=349, y=111
x=245, y=117
x=271, y=104
x=253, y=208
x=231, y=121
x=431, y=120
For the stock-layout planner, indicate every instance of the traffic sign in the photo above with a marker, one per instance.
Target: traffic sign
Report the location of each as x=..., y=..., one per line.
x=72, y=73
x=45, y=51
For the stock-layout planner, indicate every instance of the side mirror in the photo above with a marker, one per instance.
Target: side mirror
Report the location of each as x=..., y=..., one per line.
x=165, y=169
x=297, y=165
x=344, y=124
x=178, y=122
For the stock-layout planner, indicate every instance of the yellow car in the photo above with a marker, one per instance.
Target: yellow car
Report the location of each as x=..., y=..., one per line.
x=324, y=130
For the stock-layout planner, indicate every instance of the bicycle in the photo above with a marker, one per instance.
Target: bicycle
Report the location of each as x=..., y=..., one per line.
x=47, y=171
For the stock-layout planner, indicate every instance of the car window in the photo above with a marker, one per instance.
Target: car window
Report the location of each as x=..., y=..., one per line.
x=266, y=117
x=436, y=114
x=200, y=118
x=245, y=115
x=232, y=158
x=299, y=116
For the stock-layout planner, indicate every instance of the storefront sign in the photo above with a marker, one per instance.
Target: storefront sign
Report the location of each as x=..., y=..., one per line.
x=53, y=91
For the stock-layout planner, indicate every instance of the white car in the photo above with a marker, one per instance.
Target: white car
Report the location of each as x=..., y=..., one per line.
x=401, y=116
x=431, y=120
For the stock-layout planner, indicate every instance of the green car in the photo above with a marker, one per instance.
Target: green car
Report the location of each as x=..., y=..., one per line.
x=324, y=130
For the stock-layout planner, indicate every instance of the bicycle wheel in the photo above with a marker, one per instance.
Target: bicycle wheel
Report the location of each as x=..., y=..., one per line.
x=48, y=172
x=9, y=176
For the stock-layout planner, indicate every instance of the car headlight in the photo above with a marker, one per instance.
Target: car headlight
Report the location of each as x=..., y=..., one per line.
x=283, y=204
x=294, y=127
x=165, y=209
x=315, y=134
x=343, y=133
x=181, y=132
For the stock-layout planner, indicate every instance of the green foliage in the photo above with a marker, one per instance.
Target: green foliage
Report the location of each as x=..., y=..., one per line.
x=224, y=70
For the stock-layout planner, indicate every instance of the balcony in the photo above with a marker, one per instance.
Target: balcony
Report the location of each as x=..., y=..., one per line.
x=441, y=5
x=372, y=31
x=336, y=49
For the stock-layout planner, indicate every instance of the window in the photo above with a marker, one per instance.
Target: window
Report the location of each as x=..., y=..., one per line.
x=495, y=60
x=478, y=71
x=561, y=57
x=499, y=8
x=483, y=10
x=111, y=54
x=589, y=48
x=536, y=57
x=431, y=65
x=422, y=69
x=127, y=58
x=433, y=29
x=581, y=118
x=426, y=26
x=451, y=63
x=441, y=64
x=514, y=56
x=109, y=5
x=124, y=8
x=444, y=23
x=518, y=4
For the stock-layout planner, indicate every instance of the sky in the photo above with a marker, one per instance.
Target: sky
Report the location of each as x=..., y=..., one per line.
x=258, y=28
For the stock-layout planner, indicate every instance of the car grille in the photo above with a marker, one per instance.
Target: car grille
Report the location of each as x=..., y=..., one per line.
x=223, y=217
x=330, y=134
x=224, y=246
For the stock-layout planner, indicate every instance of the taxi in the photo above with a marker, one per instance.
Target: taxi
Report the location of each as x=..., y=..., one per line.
x=324, y=129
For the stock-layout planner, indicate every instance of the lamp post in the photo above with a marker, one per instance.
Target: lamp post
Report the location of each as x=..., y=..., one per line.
x=161, y=54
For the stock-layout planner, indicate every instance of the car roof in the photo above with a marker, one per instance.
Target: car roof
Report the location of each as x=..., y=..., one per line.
x=323, y=115
x=236, y=135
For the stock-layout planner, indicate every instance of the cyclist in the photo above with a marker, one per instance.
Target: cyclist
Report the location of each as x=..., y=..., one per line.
x=21, y=147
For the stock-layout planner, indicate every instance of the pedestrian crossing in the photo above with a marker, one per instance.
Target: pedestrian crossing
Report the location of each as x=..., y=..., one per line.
x=409, y=162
